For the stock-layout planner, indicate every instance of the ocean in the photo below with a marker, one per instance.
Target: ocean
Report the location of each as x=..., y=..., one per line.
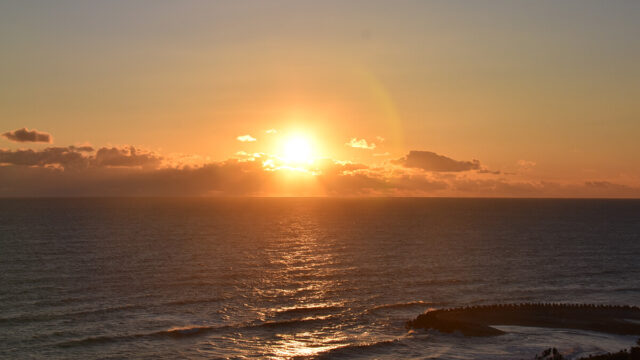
x=193, y=278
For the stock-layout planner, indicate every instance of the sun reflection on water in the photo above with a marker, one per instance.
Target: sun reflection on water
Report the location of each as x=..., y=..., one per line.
x=300, y=278
x=306, y=344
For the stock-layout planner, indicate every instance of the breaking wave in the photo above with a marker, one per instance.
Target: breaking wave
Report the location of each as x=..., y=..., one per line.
x=402, y=305
x=189, y=331
x=348, y=351
x=175, y=332
x=308, y=309
x=292, y=322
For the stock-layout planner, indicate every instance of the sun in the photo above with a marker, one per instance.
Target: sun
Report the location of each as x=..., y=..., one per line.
x=297, y=149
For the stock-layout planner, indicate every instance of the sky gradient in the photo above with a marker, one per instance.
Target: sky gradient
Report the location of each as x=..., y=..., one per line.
x=401, y=98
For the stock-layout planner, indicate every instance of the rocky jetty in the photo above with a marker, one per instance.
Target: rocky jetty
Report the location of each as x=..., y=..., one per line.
x=478, y=320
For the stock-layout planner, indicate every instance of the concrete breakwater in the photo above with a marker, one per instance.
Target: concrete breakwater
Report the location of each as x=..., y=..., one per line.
x=478, y=320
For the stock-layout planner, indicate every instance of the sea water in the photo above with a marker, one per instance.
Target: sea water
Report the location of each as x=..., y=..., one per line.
x=308, y=278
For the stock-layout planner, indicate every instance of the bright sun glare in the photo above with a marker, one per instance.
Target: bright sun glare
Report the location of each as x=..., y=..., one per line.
x=298, y=149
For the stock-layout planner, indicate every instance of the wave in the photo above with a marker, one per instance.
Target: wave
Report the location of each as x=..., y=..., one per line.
x=63, y=301
x=402, y=305
x=194, y=301
x=349, y=351
x=93, y=340
x=626, y=289
x=308, y=309
x=175, y=332
x=25, y=318
x=189, y=331
x=291, y=323
x=186, y=331
x=58, y=315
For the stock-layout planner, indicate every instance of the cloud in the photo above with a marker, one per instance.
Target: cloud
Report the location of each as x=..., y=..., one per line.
x=525, y=165
x=223, y=178
x=66, y=157
x=608, y=187
x=540, y=189
x=130, y=171
x=361, y=144
x=246, y=138
x=487, y=171
x=126, y=156
x=382, y=154
x=81, y=148
x=352, y=184
x=26, y=135
x=247, y=178
x=430, y=161
x=75, y=157
x=328, y=166
x=498, y=188
x=271, y=131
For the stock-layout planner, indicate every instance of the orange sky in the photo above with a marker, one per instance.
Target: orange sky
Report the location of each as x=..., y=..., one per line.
x=543, y=95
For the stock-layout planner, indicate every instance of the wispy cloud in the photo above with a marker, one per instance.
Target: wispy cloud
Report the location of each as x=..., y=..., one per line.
x=26, y=135
x=246, y=138
x=360, y=144
x=271, y=131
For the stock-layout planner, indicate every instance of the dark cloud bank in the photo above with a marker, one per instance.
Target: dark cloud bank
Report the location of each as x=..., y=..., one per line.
x=26, y=135
x=130, y=171
x=74, y=157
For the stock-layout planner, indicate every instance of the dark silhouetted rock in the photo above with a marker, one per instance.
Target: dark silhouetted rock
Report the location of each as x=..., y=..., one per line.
x=477, y=320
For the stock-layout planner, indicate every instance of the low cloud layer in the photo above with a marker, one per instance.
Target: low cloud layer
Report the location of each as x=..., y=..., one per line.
x=430, y=161
x=131, y=171
x=63, y=157
x=77, y=157
x=26, y=135
x=126, y=157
